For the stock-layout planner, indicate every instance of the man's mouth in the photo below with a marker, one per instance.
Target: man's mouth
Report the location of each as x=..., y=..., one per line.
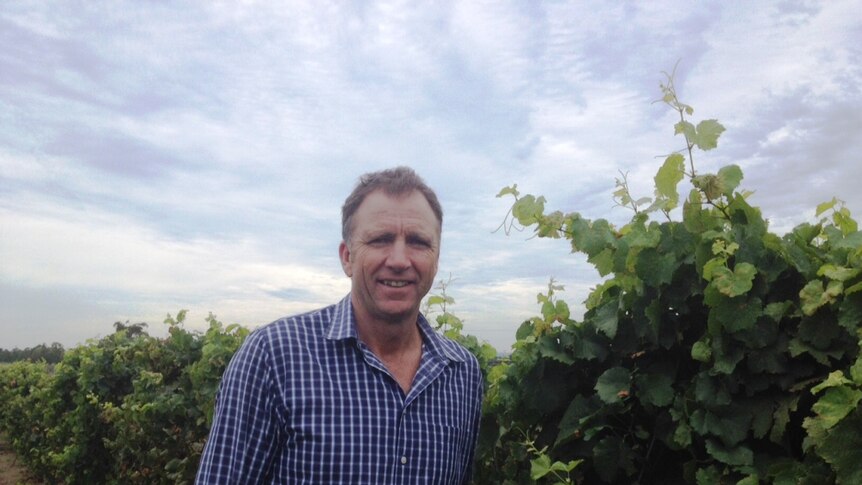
x=395, y=283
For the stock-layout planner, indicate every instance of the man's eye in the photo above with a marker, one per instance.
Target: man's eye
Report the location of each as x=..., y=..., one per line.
x=379, y=241
x=419, y=242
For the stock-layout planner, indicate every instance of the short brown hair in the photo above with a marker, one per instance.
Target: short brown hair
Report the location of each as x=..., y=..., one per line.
x=393, y=182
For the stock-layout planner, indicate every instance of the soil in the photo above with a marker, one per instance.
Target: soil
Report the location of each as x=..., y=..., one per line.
x=11, y=471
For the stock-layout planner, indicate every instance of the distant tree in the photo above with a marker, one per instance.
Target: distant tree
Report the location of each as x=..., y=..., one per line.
x=50, y=354
x=132, y=330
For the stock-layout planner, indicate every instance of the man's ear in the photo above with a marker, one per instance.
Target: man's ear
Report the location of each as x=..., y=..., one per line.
x=344, y=256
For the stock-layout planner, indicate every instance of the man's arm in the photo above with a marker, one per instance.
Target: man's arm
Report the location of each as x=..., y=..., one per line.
x=244, y=436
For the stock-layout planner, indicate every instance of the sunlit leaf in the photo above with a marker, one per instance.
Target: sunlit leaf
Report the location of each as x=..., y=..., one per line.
x=736, y=282
x=708, y=132
x=513, y=190
x=540, y=467
x=825, y=206
x=835, y=404
x=835, y=378
x=839, y=273
x=686, y=129
x=667, y=179
x=701, y=352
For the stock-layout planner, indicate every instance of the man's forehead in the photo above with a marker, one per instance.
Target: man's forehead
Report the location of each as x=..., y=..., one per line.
x=411, y=203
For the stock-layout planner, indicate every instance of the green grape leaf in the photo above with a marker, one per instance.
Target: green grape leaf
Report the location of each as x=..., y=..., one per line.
x=711, y=265
x=842, y=449
x=856, y=371
x=781, y=417
x=579, y=410
x=613, y=385
x=597, y=294
x=589, y=348
x=813, y=296
x=526, y=329
x=838, y=273
x=607, y=318
x=825, y=206
x=603, y=261
x=834, y=379
x=590, y=238
x=853, y=289
x=736, y=282
x=612, y=454
x=682, y=435
x=776, y=311
x=686, y=129
x=708, y=132
x=513, y=190
x=655, y=388
x=549, y=347
x=740, y=455
x=749, y=480
x=668, y=177
x=844, y=221
x=656, y=269
x=540, y=467
x=561, y=308
x=548, y=311
x=701, y=352
x=729, y=178
x=852, y=241
x=528, y=209
x=725, y=360
x=835, y=404
x=436, y=300
x=708, y=476
x=709, y=184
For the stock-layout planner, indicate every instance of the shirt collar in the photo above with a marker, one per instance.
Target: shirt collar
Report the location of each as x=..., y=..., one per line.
x=343, y=326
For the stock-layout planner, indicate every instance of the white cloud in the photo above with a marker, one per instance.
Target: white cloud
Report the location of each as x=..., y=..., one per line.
x=95, y=251
x=196, y=155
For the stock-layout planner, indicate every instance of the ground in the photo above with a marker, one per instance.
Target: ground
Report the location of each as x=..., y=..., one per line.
x=11, y=471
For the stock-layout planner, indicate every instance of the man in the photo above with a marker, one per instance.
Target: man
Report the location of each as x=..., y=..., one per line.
x=363, y=391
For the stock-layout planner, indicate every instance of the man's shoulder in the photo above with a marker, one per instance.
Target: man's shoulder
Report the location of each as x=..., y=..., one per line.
x=295, y=328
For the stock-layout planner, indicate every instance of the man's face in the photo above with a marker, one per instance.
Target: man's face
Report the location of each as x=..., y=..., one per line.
x=392, y=255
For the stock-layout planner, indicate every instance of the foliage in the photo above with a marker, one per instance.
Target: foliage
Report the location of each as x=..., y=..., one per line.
x=128, y=408
x=452, y=327
x=713, y=351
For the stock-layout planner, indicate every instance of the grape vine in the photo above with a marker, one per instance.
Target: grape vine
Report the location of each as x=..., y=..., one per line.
x=715, y=351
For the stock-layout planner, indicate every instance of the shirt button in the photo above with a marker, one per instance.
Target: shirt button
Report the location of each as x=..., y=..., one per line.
x=403, y=460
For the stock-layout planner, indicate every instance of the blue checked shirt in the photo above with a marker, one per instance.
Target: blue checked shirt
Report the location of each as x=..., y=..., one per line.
x=305, y=402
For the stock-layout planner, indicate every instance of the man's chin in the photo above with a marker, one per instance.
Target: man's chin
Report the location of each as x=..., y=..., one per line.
x=398, y=316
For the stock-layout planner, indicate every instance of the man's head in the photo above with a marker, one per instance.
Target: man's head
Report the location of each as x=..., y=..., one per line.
x=399, y=181
x=391, y=245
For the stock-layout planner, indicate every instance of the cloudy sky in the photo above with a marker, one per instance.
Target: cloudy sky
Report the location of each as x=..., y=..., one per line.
x=156, y=156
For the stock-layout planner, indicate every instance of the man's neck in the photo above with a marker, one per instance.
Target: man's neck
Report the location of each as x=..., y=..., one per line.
x=397, y=345
x=388, y=338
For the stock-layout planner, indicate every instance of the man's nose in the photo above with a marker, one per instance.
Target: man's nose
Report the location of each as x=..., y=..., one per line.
x=397, y=257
